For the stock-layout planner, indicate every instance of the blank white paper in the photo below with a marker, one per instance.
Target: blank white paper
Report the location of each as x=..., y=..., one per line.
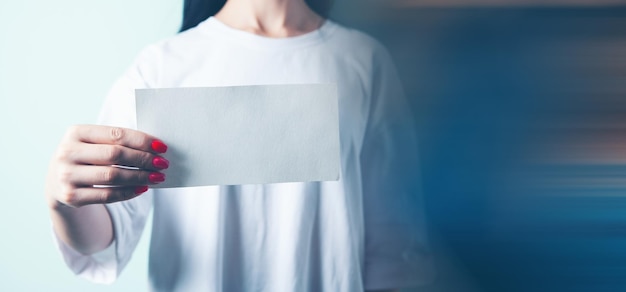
x=244, y=134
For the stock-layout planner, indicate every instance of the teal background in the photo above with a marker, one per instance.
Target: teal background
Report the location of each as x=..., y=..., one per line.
x=58, y=59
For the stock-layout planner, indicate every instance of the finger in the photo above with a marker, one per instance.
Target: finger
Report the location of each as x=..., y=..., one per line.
x=103, y=154
x=89, y=175
x=91, y=195
x=96, y=134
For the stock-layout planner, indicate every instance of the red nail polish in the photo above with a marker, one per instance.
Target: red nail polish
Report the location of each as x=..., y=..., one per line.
x=159, y=146
x=156, y=177
x=141, y=190
x=160, y=162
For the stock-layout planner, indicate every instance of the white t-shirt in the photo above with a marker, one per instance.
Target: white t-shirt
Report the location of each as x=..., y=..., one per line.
x=365, y=231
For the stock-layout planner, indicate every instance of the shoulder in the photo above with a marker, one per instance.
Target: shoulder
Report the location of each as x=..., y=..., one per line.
x=181, y=48
x=363, y=55
x=178, y=43
x=353, y=42
x=355, y=49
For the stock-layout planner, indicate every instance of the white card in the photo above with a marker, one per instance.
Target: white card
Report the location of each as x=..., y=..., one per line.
x=255, y=134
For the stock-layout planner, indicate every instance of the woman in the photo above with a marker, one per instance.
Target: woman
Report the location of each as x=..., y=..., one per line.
x=363, y=232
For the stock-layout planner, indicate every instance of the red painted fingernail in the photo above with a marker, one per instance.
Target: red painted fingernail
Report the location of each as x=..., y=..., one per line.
x=159, y=146
x=156, y=177
x=160, y=162
x=141, y=190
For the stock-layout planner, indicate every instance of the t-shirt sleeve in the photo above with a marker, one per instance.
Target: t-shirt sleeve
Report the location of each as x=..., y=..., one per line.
x=128, y=217
x=396, y=250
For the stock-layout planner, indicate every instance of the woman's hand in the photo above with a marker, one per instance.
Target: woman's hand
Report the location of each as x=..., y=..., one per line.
x=91, y=155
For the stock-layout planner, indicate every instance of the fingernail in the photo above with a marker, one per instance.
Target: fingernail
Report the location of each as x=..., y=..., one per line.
x=141, y=190
x=156, y=177
x=160, y=162
x=159, y=146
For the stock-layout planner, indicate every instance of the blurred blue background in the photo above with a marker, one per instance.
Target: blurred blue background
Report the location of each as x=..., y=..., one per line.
x=522, y=116
x=519, y=106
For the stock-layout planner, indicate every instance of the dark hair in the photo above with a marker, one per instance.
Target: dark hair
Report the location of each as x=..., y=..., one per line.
x=196, y=11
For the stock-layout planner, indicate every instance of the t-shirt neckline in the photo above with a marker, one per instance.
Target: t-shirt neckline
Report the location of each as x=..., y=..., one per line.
x=214, y=25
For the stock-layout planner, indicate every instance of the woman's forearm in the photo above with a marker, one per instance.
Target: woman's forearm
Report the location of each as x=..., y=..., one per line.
x=87, y=229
